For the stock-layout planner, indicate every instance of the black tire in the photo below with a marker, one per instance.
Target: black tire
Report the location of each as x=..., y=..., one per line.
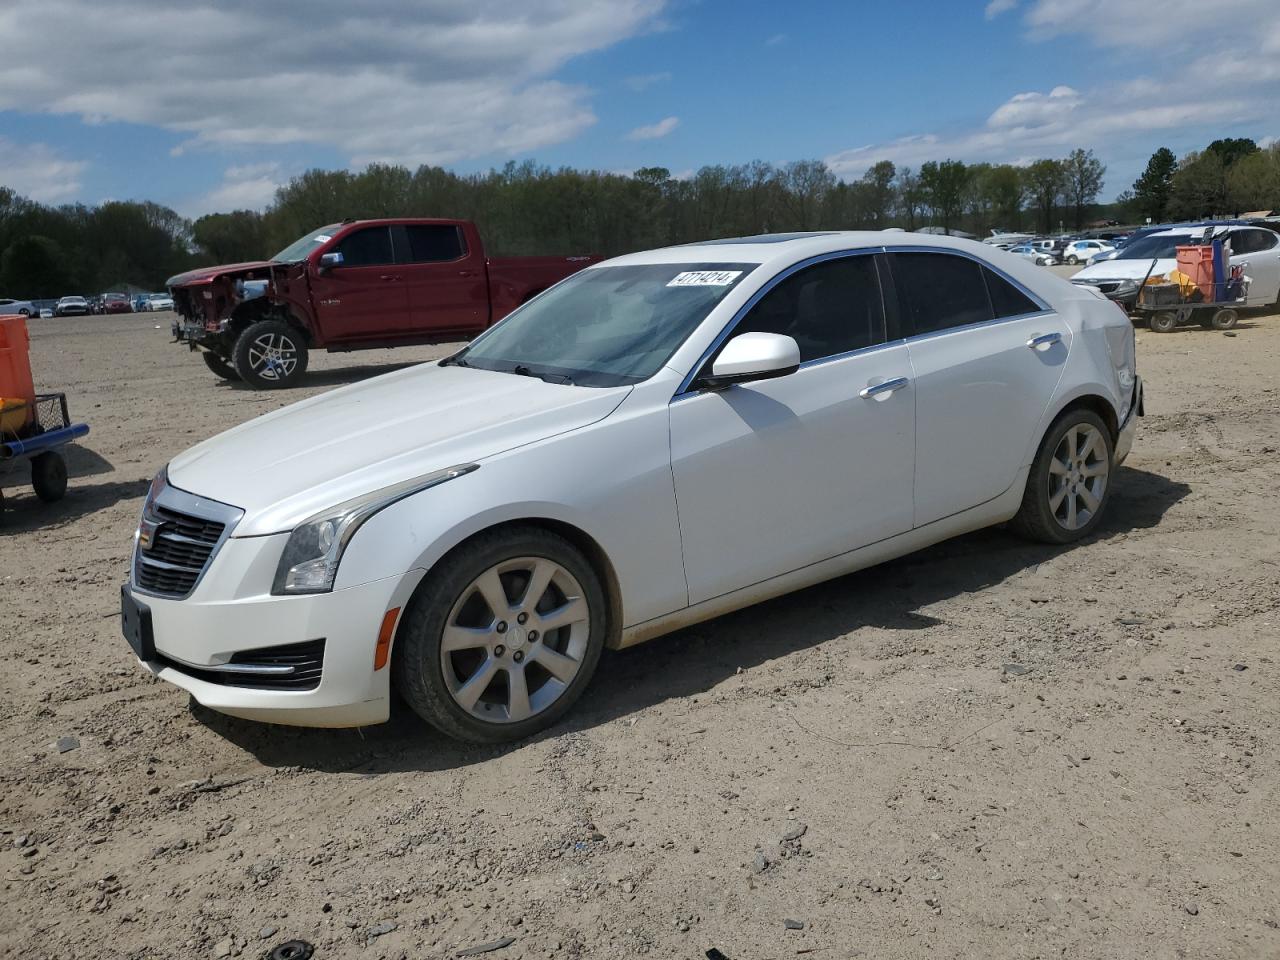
x=259, y=372
x=1166, y=321
x=416, y=660
x=1035, y=520
x=221, y=368
x=49, y=476
x=1073, y=260
x=1225, y=319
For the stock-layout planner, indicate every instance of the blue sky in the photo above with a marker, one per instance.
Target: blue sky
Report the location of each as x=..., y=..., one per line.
x=210, y=105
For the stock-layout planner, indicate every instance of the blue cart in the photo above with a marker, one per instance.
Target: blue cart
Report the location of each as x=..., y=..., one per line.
x=49, y=429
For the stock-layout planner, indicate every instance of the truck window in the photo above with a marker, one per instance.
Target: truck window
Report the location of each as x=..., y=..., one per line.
x=370, y=247
x=434, y=243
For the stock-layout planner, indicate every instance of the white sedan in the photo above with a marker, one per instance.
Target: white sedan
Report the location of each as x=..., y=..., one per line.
x=658, y=439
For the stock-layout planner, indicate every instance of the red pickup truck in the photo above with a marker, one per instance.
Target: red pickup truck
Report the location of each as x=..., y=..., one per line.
x=352, y=286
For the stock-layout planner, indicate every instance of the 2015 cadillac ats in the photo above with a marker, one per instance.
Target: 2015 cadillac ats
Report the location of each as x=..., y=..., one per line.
x=658, y=439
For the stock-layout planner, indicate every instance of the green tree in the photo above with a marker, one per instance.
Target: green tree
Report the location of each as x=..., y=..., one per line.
x=1084, y=173
x=1151, y=190
x=944, y=186
x=1046, y=180
x=1006, y=192
x=35, y=267
x=232, y=237
x=877, y=193
x=1253, y=182
x=1199, y=187
x=1231, y=149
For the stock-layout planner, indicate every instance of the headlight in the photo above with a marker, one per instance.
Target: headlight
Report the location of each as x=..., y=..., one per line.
x=1127, y=285
x=310, y=560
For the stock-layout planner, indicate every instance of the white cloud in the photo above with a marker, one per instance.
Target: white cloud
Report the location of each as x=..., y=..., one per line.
x=1188, y=99
x=776, y=39
x=395, y=80
x=997, y=7
x=249, y=186
x=38, y=172
x=654, y=131
x=644, y=81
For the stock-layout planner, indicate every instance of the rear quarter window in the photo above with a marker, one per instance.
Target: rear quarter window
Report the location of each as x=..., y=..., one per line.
x=940, y=291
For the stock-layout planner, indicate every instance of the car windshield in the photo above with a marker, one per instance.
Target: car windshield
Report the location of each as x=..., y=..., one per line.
x=606, y=326
x=1159, y=247
x=299, y=249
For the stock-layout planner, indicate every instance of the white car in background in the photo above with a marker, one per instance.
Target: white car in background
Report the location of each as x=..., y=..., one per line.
x=1081, y=251
x=1155, y=255
x=157, y=301
x=658, y=439
x=21, y=308
x=1037, y=255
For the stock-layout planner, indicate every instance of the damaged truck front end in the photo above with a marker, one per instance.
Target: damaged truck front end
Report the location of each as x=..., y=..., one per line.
x=217, y=306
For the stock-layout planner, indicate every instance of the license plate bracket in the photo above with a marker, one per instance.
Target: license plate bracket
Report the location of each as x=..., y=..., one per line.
x=135, y=624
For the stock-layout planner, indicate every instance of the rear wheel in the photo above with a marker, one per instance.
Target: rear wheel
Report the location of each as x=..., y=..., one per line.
x=269, y=355
x=1070, y=481
x=220, y=367
x=1073, y=259
x=1225, y=319
x=49, y=476
x=501, y=640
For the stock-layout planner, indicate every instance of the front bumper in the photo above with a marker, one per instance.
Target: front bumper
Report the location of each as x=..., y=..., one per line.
x=1124, y=439
x=225, y=616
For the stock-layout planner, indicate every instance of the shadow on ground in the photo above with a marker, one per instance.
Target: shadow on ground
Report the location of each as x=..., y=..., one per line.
x=694, y=660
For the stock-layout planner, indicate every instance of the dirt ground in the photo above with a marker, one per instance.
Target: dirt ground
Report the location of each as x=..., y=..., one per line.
x=990, y=749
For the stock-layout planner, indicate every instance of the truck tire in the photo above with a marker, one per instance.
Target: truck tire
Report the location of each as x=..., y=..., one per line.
x=270, y=355
x=49, y=476
x=221, y=368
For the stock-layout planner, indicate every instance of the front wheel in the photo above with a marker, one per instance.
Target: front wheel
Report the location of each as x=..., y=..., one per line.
x=501, y=638
x=1166, y=321
x=219, y=366
x=1225, y=319
x=49, y=476
x=1070, y=481
x=269, y=355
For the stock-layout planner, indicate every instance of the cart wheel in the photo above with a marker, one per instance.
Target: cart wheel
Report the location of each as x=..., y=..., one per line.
x=1166, y=321
x=49, y=476
x=1225, y=319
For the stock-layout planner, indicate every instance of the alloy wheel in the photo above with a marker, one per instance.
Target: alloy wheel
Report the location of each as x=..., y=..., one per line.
x=273, y=356
x=515, y=640
x=1078, y=475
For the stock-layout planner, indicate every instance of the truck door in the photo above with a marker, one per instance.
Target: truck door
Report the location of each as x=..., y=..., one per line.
x=365, y=296
x=447, y=288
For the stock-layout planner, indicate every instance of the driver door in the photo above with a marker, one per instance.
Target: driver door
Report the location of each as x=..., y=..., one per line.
x=774, y=475
x=366, y=296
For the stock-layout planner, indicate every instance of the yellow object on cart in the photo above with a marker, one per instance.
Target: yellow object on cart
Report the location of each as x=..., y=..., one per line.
x=15, y=412
x=1186, y=286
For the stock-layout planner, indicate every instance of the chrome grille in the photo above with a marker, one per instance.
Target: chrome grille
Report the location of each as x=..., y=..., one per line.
x=177, y=539
x=294, y=666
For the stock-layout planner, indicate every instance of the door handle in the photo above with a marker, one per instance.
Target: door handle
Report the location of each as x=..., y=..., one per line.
x=1044, y=340
x=391, y=278
x=467, y=273
x=883, y=388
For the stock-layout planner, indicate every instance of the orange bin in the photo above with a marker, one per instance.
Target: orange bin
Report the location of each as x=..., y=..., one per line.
x=17, y=389
x=1197, y=263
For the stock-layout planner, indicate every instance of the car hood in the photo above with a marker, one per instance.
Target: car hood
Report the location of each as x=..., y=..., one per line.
x=294, y=462
x=1124, y=270
x=209, y=274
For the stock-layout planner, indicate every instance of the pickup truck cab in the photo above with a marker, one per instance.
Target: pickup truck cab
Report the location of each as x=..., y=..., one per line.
x=354, y=285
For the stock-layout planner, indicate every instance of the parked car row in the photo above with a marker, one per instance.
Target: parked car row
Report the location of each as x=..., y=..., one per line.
x=78, y=306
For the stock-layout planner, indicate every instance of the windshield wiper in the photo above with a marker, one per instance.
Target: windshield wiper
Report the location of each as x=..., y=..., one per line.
x=454, y=361
x=521, y=370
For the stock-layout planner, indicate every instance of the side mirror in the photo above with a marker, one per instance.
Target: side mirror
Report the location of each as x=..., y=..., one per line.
x=330, y=260
x=752, y=356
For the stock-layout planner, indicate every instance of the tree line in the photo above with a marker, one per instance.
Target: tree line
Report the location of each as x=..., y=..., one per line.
x=527, y=208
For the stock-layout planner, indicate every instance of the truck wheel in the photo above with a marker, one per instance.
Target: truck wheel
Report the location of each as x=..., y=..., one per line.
x=49, y=476
x=1166, y=321
x=269, y=355
x=219, y=366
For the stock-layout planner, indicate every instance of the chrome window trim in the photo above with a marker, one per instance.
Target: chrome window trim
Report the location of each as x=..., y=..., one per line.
x=202, y=508
x=684, y=390
x=949, y=251
x=980, y=325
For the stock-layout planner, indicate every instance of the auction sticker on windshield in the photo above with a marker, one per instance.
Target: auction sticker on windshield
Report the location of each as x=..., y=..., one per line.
x=705, y=278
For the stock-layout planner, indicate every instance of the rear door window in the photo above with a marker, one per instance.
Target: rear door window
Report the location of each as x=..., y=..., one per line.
x=829, y=308
x=1252, y=241
x=939, y=291
x=370, y=247
x=1006, y=299
x=434, y=243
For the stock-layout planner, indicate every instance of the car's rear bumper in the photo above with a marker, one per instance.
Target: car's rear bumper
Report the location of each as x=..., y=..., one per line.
x=1124, y=438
